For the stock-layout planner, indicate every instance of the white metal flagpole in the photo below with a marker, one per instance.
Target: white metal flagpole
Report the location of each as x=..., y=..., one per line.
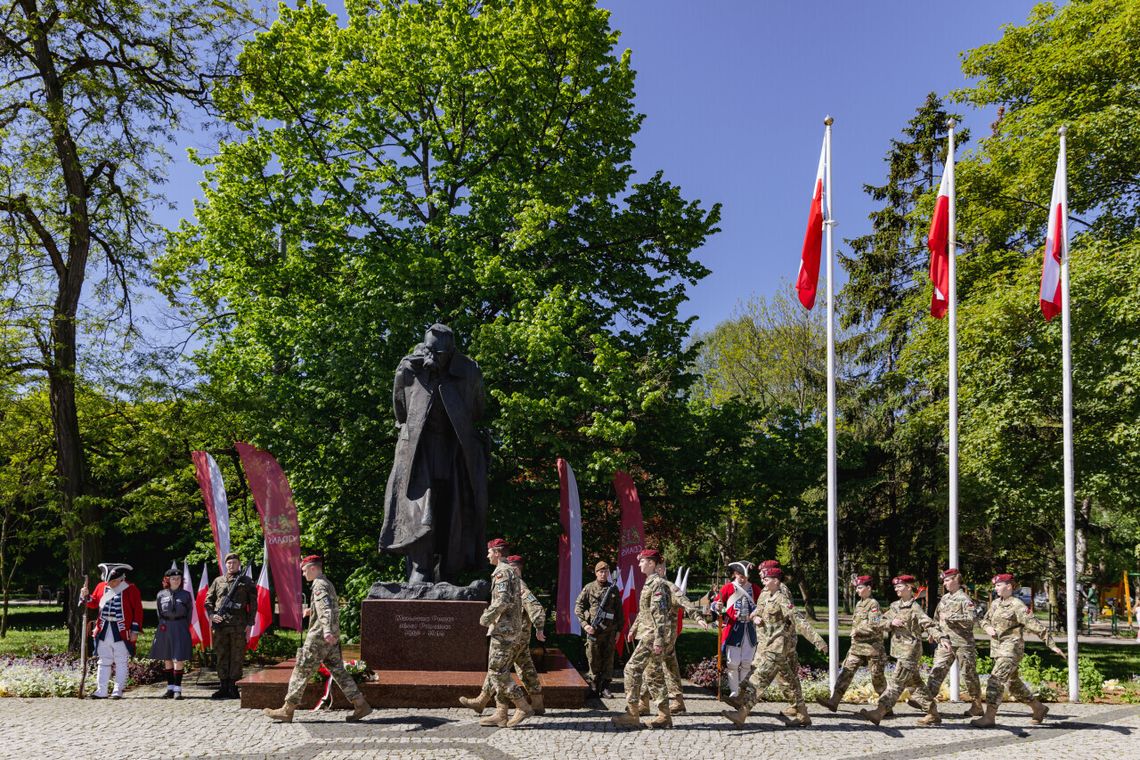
x=832, y=509
x=1067, y=417
x=952, y=297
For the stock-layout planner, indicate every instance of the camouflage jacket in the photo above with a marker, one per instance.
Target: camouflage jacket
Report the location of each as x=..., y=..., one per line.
x=653, y=621
x=1010, y=618
x=241, y=609
x=324, y=610
x=504, y=616
x=533, y=609
x=955, y=613
x=867, y=628
x=906, y=640
x=677, y=601
x=587, y=605
x=779, y=623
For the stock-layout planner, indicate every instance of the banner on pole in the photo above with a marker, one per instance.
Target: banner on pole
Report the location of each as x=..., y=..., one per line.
x=217, y=507
x=631, y=543
x=569, y=551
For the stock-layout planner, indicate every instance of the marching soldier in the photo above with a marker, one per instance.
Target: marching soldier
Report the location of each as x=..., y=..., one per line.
x=802, y=627
x=652, y=623
x=908, y=625
x=955, y=613
x=599, y=613
x=866, y=646
x=503, y=619
x=321, y=647
x=736, y=601
x=779, y=621
x=671, y=671
x=1006, y=621
x=231, y=605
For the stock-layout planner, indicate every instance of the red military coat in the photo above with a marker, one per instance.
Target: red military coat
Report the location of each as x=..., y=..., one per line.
x=132, y=609
x=740, y=609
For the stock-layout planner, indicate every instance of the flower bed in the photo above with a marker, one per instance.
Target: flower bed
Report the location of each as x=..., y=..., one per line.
x=52, y=674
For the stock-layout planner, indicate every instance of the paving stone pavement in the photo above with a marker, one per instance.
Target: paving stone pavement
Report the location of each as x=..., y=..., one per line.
x=143, y=726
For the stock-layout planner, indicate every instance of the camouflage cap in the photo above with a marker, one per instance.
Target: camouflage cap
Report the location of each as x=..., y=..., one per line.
x=602, y=565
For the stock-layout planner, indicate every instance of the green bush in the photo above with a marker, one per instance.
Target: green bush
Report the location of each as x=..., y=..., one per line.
x=985, y=665
x=1090, y=677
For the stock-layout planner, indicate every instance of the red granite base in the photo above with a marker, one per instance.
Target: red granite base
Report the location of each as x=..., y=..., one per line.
x=562, y=686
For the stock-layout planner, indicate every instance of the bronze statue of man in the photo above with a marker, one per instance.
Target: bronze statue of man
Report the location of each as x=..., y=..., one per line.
x=435, y=505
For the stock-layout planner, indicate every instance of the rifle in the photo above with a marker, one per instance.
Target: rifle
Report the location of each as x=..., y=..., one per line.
x=83, y=646
x=602, y=616
x=226, y=600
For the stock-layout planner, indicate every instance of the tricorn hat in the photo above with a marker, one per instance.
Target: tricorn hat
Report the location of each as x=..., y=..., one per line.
x=109, y=571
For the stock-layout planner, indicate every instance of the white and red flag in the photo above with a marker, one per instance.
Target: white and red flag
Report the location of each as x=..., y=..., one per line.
x=807, y=282
x=631, y=543
x=264, y=608
x=217, y=507
x=938, y=241
x=195, y=623
x=204, y=633
x=1056, y=245
x=569, y=551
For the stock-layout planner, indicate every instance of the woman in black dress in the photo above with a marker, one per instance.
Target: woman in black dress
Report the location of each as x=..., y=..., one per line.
x=175, y=605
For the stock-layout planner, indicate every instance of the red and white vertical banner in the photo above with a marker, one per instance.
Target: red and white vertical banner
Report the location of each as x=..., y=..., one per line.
x=632, y=541
x=217, y=507
x=1056, y=245
x=807, y=281
x=569, y=550
x=938, y=241
x=264, y=607
x=274, y=500
x=205, y=637
x=195, y=623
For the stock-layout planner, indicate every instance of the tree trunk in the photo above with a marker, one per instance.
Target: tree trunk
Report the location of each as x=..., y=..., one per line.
x=809, y=610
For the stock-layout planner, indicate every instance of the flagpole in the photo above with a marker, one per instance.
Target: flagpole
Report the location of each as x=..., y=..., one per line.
x=832, y=510
x=952, y=297
x=1067, y=417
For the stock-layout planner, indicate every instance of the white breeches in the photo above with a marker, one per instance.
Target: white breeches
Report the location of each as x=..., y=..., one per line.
x=739, y=665
x=110, y=653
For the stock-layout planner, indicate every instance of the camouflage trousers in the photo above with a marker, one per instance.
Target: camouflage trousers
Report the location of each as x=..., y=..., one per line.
x=1005, y=674
x=670, y=672
x=310, y=657
x=967, y=657
x=524, y=665
x=229, y=649
x=500, y=660
x=600, y=656
x=905, y=677
x=876, y=663
x=645, y=667
x=766, y=667
x=785, y=686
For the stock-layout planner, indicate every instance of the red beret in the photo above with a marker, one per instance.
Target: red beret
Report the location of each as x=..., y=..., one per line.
x=1003, y=578
x=902, y=579
x=862, y=580
x=311, y=559
x=652, y=554
x=497, y=543
x=769, y=563
x=514, y=559
x=771, y=572
x=949, y=572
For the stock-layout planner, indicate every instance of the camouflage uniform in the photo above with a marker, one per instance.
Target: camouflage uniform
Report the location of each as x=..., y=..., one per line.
x=1010, y=618
x=324, y=619
x=521, y=658
x=600, y=647
x=779, y=623
x=653, y=624
x=671, y=669
x=955, y=613
x=503, y=619
x=866, y=649
x=906, y=648
x=240, y=611
x=790, y=653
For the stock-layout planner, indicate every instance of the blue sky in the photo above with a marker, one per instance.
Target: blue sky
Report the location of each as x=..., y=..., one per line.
x=735, y=92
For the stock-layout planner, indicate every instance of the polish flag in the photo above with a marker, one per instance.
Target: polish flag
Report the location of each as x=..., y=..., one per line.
x=205, y=639
x=938, y=241
x=569, y=550
x=1056, y=245
x=808, y=279
x=264, y=610
x=629, y=601
x=195, y=623
x=682, y=583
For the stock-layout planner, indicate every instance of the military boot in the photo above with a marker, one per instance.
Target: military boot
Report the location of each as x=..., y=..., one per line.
x=234, y=693
x=988, y=718
x=1039, y=712
x=631, y=718
x=737, y=716
x=874, y=716
x=932, y=718
x=677, y=706
x=644, y=706
x=975, y=710
x=536, y=704
x=360, y=708
x=790, y=711
x=523, y=711
x=800, y=717
x=479, y=703
x=831, y=703
x=498, y=718
x=223, y=691
x=916, y=704
x=283, y=714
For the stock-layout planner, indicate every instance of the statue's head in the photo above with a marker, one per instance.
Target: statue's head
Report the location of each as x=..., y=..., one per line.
x=439, y=342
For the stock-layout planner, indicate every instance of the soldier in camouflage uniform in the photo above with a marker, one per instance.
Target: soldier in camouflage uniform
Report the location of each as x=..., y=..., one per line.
x=866, y=646
x=504, y=620
x=600, y=602
x=671, y=668
x=231, y=605
x=778, y=621
x=651, y=629
x=321, y=647
x=1006, y=621
x=909, y=625
x=955, y=613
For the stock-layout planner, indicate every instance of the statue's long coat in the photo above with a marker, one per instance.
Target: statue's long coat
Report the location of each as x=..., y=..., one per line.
x=408, y=518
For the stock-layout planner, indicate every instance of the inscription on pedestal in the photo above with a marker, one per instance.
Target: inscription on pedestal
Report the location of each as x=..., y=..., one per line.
x=417, y=634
